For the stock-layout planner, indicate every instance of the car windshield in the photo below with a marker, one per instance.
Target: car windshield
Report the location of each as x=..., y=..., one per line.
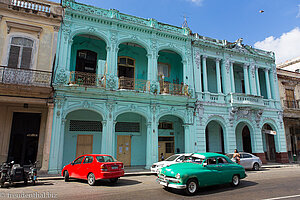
x=105, y=159
x=172, y=158
x=229, y=155
x=193, y=159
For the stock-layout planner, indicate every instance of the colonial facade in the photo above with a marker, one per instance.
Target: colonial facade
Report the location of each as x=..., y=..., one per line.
x=289, y=87
x=28, y=38
x=135, y=88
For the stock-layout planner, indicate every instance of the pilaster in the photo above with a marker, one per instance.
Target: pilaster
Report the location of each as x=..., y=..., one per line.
x=205, y=86
x=219, y=85
x=269, y=95
x=225, y=68
x=232, y=78
x=257, y=81
x=252, y=83
x=246, y=79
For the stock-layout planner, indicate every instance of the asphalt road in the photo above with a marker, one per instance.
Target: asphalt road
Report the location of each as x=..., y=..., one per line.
x=272, y=184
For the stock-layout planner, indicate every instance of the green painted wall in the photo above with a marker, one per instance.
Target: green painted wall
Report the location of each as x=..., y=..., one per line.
x=214, y=135
x=70, y=139
x=176, y=71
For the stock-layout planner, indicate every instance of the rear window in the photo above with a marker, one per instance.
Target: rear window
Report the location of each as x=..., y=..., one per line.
x=172, y=158
x=105, y=159
x=193, y=159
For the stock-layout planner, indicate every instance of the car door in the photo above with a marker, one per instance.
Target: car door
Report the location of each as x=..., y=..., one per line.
x=75, y=167
x=212, y=175
x=86, y=167
x=247, y=160
x=225, y=170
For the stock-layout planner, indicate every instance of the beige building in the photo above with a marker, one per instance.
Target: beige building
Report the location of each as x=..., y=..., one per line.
x=289, y=88
x=28, y=38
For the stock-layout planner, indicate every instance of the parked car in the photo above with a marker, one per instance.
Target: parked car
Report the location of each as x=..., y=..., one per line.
x=93, y=167
x=248, y=160
x=207, y=169
x=176, y=158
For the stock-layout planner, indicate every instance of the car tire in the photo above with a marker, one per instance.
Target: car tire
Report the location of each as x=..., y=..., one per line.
x=255, y=167
x=235, y=180
x=91, y=179
x=25, y=181
x=191, y=187
x=2, y=184
x=66, y=176
x=113, y=180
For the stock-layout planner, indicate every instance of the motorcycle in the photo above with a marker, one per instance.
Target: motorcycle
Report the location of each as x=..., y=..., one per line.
x=31, y=171
x=11, y=173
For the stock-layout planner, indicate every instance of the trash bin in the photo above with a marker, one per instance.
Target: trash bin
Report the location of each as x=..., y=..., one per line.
x=294, y=157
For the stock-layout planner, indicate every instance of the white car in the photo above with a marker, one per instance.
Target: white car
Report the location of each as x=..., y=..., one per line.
x=169, y=161
x=248, y=160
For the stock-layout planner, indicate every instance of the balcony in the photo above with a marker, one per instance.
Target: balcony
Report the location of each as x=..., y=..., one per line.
x=294, y=104
x=28, y=77
x=173, y=88
x=87, y=79
x=243, y=100
x=139, y=85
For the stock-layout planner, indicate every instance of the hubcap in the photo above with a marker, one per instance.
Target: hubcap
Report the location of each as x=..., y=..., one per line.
x=91, y=179
x=235, y=180
x=256, y=166
x=192, y=187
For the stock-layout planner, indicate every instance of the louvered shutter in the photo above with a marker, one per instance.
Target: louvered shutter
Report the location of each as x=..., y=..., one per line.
x=14, y=56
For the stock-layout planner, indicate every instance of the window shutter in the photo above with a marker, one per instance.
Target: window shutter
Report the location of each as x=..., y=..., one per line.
x=26, y=58
x=13, y=56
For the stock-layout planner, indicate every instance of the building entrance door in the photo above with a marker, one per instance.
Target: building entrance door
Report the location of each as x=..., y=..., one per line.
x=124, y=149
x=84, y=145
x=24, y=138
x=166, y=146
x=270, y=147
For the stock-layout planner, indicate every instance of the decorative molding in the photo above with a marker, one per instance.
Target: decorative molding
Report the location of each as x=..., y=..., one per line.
x=26, y=27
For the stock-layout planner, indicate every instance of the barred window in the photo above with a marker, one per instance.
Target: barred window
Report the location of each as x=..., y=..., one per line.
x=127, y=127
x=20, y=53
x=80, y=125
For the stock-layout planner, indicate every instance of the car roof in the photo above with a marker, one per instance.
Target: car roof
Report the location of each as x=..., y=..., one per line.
x=95, y=155
x=208, y=155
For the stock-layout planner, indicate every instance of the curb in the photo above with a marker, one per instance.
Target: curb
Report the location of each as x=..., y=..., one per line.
x=281, y=166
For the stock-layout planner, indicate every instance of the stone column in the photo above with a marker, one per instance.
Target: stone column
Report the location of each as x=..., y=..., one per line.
x=252, y=83
x=111, y=68
x=149, y=146
x=152, y=72
x=257, y=81
x=198, y=76
x=269, y=95
x=187, y=138
x=47, y=141
x=232, y=78
x=274, y=85
x=246, y=79
x=225, y=66
x=205, y=86
x=69, y=54
x=108, y=132
x=219, y=85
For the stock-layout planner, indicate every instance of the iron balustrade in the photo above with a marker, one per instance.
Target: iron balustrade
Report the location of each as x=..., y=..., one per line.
x=133, y=84
x=173, y=88
x=87, y=79
x=291, y=104
x=19, y=76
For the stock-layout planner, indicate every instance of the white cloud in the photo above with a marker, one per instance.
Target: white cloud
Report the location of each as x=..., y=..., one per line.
x=286, y=47
x=196, y=2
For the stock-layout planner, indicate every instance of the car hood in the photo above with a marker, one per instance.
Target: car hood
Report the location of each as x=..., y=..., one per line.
x=181, y=168
x=164, y=163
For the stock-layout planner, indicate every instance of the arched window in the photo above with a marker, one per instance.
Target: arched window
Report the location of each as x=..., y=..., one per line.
x=20, y=53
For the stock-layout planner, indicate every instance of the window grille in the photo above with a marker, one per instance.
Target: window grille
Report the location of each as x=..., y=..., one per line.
x=80, y=125
x=127, y=127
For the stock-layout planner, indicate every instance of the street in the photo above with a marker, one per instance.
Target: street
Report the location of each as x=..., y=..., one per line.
x=276, y=183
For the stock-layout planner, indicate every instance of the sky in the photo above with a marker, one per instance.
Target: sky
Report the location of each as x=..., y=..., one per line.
x=276, y=29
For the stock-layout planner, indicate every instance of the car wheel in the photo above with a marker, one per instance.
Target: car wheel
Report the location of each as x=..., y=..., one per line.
x=235, y=180
x=66, y=176
x=25, y=181
x=2, y=184
x=91, y=179
x=255, y=167
x=113, y=180
x=191, y=187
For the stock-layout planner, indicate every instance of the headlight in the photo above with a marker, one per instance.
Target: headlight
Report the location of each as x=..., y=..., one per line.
x=159, y=171
x=177, y=176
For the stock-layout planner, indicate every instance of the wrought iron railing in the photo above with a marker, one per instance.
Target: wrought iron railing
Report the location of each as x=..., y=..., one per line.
x=173, y=88
x=18, y=76
x=87, y=79
x=291, y=104
x=133, y=84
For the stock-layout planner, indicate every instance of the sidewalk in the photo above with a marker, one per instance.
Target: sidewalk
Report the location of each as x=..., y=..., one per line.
x=141, y=171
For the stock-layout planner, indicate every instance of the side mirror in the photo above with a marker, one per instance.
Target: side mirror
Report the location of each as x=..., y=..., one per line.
x=204, y=164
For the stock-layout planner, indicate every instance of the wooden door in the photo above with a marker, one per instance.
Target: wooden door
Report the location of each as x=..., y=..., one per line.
x=84, y=145
x=124, y=149
x=161, y=149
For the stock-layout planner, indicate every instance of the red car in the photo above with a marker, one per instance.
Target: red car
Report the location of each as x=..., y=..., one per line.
x=92, y=167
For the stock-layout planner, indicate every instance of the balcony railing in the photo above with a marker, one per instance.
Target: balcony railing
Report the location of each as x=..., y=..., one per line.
x=173, y=89
x=31, y=5
x=246, y=100
x=291, y=104
x=133, y=84
x=18, y=76
x=87, y=79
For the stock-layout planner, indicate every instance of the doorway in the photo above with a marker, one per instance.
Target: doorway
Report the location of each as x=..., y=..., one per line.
x=24, y=138
x=124, y=149
x=166, y=146
x=246, y=140
x=271, y=152
x=126, y=70
x=84, y=145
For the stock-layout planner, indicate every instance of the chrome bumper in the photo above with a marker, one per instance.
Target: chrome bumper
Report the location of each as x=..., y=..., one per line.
x=170, y=185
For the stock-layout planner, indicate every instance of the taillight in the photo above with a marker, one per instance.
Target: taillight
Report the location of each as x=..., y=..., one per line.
x=104, y=168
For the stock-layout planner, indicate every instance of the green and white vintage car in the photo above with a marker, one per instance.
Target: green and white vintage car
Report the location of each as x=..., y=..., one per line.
x=201, y=169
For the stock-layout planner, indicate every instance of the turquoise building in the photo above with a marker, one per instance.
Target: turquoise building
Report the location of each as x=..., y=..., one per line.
x=135, y=88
